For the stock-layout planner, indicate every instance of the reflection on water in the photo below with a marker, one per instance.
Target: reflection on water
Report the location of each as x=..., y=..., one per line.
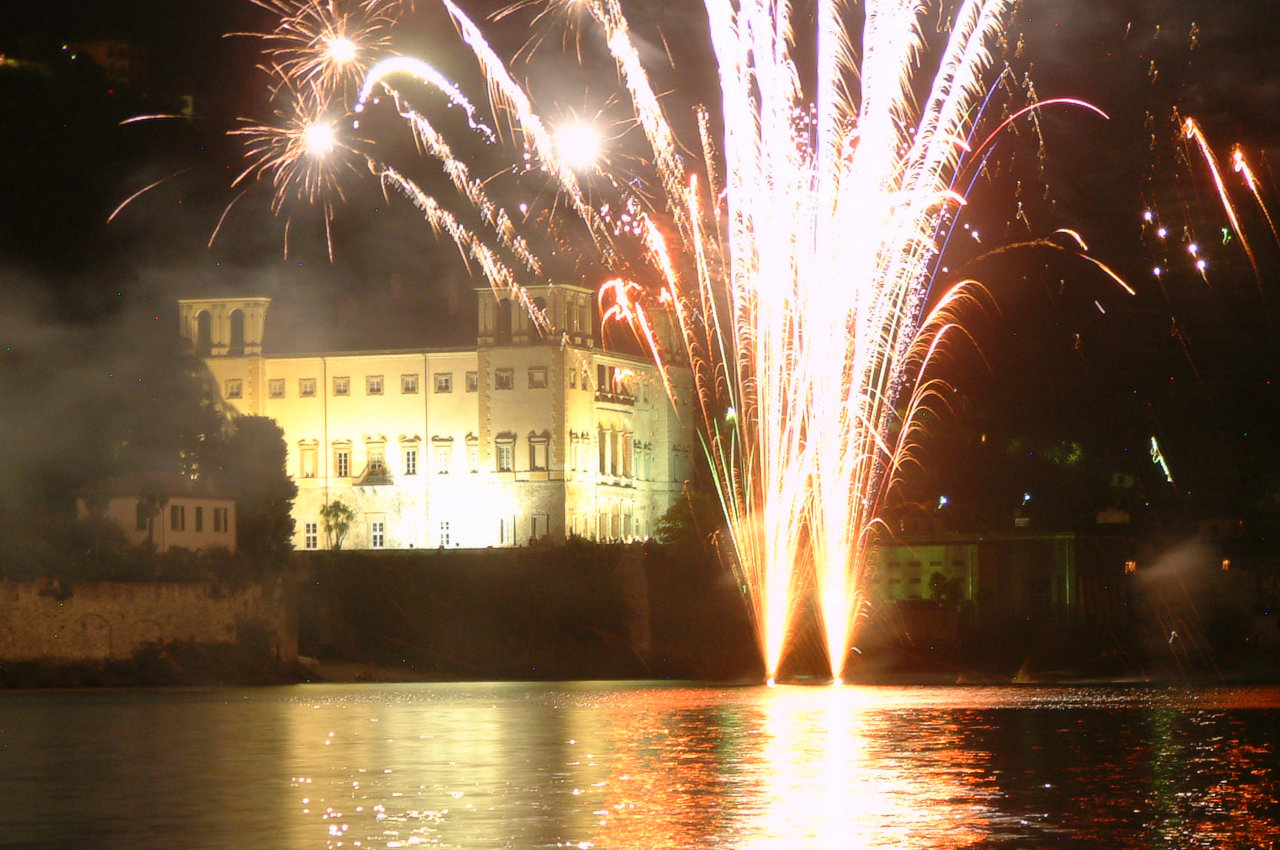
x=609, y=765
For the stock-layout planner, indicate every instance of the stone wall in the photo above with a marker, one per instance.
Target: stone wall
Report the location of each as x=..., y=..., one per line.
x=106, y=621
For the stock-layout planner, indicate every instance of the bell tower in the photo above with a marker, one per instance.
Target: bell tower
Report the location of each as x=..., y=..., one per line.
x=223, y=327
x=568, y=312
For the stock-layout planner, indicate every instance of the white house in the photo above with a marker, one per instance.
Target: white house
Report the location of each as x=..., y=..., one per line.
x=526, y=436
x=182, y=516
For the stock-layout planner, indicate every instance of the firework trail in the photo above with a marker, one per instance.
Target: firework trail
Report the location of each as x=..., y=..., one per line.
x=793, y=255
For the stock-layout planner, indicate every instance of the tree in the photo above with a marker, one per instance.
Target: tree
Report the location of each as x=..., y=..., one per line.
x=690, y=520
x=337, y=517
x=249, y=464
x=152, y=497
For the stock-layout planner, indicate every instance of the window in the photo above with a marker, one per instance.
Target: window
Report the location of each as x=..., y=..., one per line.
x=307, y=461
x=538, y=378
x=373, y=385
x=342, y=463
x=446, y=539
x=444, y=382
x=473, y=381
x=504, y=379
x=539, y=526
x=573, y=379
x=307, y=387
x=235, y=388
x=310, y=535
x=342, y=385
x=409, y=384
x=377, y=453
x=220, y=524
x=177, y=517
x=444, y=458
x=377, y=534
x=199, y=518
x=275, y=388
x=506, y=531
x=505, y=456
x=142, y=519
x=411, y=461
x=473, y=454
x=538, y=451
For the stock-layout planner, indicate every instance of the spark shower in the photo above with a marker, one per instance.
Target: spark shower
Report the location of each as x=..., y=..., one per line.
x=791, y=255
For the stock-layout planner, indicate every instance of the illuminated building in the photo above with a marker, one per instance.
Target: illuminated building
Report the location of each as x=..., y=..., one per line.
x=524, y=437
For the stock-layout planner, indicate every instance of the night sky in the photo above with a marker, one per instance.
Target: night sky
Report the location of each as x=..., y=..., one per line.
x=1189, y=358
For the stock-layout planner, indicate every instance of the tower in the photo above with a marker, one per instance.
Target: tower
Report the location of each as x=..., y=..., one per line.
x=223, y=327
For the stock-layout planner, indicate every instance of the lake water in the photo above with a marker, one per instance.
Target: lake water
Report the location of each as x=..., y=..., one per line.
x=643, y=765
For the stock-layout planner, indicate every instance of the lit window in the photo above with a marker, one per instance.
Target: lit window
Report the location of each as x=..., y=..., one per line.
x=373, y=385
x=473, y=381
x=235, y=388
x=410, y=461
x=307, y=461
x=342, y=463
x=444, y=382
x=408, y=384
x=377, y=458
x=377, y=534
x=307, y=387
x=275, y=388
x=342, y=385
x=311, y=536
x=538, y=378
x=504, y=379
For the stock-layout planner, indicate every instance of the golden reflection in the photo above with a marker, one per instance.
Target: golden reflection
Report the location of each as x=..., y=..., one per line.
x=616, y=765
x=771, y=767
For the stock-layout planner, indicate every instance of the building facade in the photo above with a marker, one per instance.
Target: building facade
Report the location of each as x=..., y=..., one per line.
x=184, y=517
x=532, y=435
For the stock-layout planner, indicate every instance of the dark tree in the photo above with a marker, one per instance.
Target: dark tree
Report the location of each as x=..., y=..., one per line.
x=251, y=466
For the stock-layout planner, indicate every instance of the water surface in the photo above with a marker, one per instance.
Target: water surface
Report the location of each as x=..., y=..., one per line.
x=643, y=765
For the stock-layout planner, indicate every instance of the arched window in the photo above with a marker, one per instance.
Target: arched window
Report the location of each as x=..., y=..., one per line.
x=540, y=306
x=236, y=346
x=204, y=334
x=503, y=327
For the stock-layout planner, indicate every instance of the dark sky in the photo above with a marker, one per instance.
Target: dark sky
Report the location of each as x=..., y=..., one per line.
x=67, y=162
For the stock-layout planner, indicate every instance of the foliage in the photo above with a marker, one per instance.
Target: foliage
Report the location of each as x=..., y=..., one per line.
x=249, y=463
x=337, y=517
x=690, y=520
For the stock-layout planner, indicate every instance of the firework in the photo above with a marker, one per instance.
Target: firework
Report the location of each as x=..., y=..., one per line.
x=794, y=252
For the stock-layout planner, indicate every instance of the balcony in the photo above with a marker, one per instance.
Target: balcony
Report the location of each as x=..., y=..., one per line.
x=374, y=475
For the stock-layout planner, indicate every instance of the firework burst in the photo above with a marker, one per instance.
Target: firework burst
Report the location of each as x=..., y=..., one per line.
x=793, y=252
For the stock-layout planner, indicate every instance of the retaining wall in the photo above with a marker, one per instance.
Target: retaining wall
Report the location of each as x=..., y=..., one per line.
x=105, y=621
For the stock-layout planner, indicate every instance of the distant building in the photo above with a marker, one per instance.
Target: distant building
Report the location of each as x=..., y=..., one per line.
x=525, y=437
x=180, y=516
x=1063, y=576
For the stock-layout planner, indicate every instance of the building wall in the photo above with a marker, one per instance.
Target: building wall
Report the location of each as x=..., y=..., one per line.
x=101, y=621
x=193, y=527
x=498, y=445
